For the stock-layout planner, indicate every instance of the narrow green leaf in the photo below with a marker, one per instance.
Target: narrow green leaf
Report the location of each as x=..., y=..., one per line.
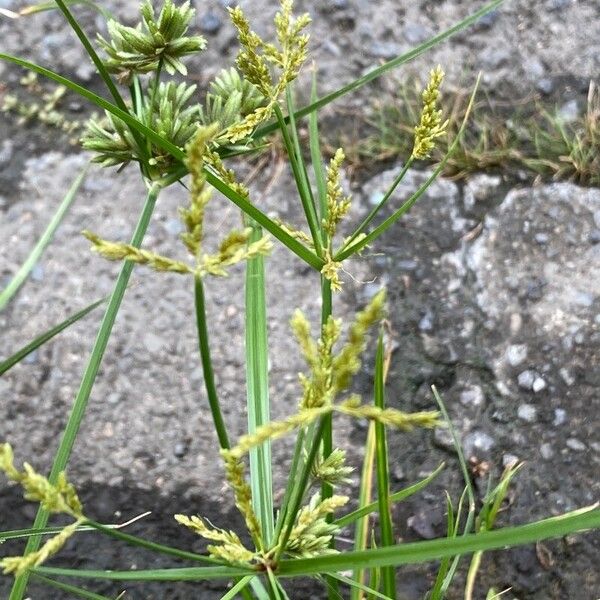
x=18, y=356
x=383, y=481
x=238, y=587
x=345, y=253
x=207, y=369
x=65, y=587
x=315, y=152
x=70, y=433
x=577, y=521
x=395, y=497
x=362, y=587
x=175, y=574
x=46, y=6
x=257, y=386
x=47, y=236
x=388, y=66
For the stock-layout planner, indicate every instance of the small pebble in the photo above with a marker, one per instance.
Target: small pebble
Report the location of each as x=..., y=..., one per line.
x=442, y=438
x=426, y=322
x=542, y=238
x=415, y=33
x=527, y=413
x=488, y=19
x=509, y=460
x=575, y=444
x=569, y=111
x=538, y=385
x=560, y=416
x=477, y=443
x=472, y=396
x=566, y=376
x=546, y=451
x=526, y=379
x=545, y=86
x=180, y=449
x=516, y=354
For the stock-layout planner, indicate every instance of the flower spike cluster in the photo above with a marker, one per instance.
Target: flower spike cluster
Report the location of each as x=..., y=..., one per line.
x=154, y=41
x=431, y=126
x=57, y=498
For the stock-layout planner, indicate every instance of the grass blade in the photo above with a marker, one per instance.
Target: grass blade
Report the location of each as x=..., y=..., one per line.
x=388, y=66
x=18, y=356
x=315, y=152
x=34, y=256
x=369, y=238
x=238, y=587
x=383, y=481
x=257, y=375
x=361, y=530
x=65, y=587
x=207, y=369
x=70, y=433
x=395, y=497
x=175, y=574
x=576, y=521
x=362, y=587
x=45, y=6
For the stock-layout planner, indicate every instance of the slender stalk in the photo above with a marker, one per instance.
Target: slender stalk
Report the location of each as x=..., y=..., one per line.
x=207, y=369
x=383, y=487
x=326, y=312
x=87, y=383
x=315, y=151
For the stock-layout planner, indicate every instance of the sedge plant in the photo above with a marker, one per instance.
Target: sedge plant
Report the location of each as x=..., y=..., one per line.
x=155, y=123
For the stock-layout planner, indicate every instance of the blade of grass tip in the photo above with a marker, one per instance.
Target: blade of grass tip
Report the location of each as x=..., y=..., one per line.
x=257, y=388
x=259, y=590
x=112, y=88
x=81, y=400
x=395, y=497
x=584, y=519
x=388, y=66
x=360, y=244
x=361, y=530
x=315, y=151
x=383, y=482
x=207, y=369
x=173, y=574
x=71, y=589
x=468, y=483
x=40, y=340
x=305, y=197
x=44, y=240
x=238, y=587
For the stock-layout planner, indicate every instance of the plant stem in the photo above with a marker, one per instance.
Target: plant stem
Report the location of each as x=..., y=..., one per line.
x=326, y=312
x=207, y=369
x=85, y=389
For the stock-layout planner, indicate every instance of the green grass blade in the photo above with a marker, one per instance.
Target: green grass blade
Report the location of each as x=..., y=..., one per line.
x=299, y=178
x=34, y=256
x=133, y=540
x=383, y=480
x=361, y=529
x=257, y=374
x=238, y=587
x=264, y=221
x=315, y=152
x=395, y=497
x=576, y=521
x=369, y=238
x=207, y=369
x=72, y=428
x=40, y=340
x=65, y=587
x=388, y=66
x=175, y=574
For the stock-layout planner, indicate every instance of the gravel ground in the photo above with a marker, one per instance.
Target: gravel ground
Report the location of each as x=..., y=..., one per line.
x=493, y=286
